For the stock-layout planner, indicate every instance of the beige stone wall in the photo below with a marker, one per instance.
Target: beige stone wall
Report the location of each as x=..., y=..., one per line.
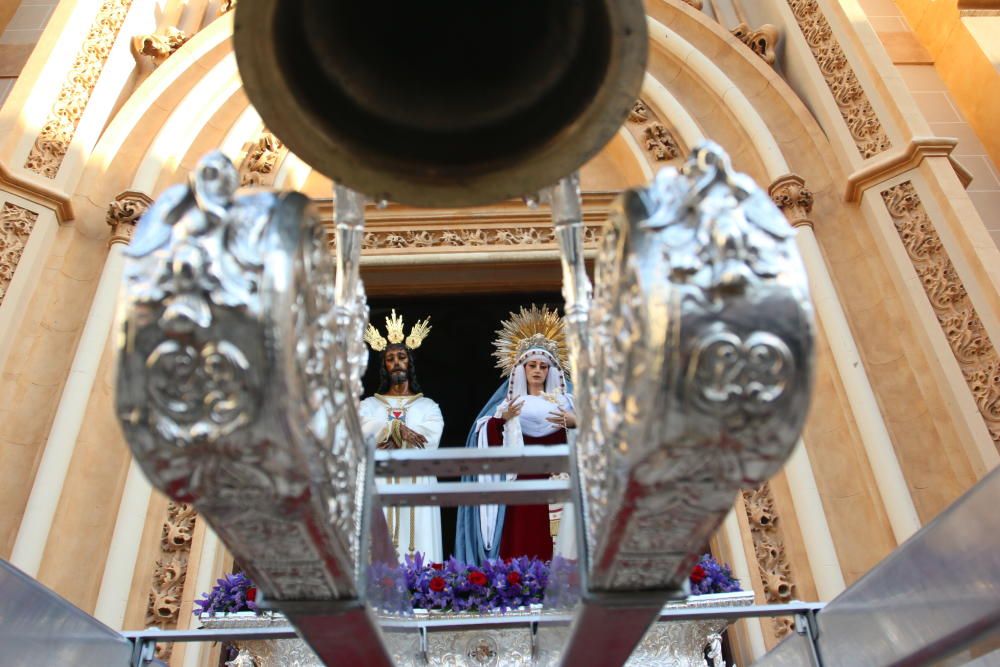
x=900, y=256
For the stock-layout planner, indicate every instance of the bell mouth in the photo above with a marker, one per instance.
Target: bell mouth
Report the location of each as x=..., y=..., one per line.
x=445, y=103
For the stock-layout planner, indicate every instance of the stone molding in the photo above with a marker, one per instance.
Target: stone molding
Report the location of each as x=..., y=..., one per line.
x=894, y=163
x=124, y=213
x=16, y=224
x=855, y=108
x=170, y=572
x=40, y=193
x=979, y=7
x=790, y=194
x=56, y=135
x=969, y=341
x=506, y=227
x=650, y=133
x=770, y=554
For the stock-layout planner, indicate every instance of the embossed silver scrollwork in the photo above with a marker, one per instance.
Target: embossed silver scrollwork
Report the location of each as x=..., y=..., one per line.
x=700, y=367
x=232, y=389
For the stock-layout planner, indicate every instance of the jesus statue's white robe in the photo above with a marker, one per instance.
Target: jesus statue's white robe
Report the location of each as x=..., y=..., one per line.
x=418, y=528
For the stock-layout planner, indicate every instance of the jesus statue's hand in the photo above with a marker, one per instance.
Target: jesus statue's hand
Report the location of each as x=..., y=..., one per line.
x=412, y=438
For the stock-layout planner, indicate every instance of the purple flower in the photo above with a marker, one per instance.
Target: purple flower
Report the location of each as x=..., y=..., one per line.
x=234, y=592
x=710, y=576
x=456, y=586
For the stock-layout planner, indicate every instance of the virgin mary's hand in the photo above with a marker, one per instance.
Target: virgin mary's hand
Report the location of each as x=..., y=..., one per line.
x=564, y=418
x=513, y=410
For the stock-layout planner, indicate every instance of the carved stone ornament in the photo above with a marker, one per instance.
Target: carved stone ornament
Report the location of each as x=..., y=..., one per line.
x=769, y=550
x=170, y=571
x=790, y=194
x=277, y=479
x=159, y=46
x=969, y=341
x=651, y=134
x=53, y=141
x=855, y=108
x=474, y=237
x=16, y=224
x=762, y=41
x=700, y=359
x=259, y=167
x=124, y=213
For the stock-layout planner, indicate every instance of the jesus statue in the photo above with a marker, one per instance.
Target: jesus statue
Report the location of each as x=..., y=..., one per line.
x=398, y=416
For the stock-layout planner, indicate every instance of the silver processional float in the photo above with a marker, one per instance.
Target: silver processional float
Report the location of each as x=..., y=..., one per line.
x=241, y=350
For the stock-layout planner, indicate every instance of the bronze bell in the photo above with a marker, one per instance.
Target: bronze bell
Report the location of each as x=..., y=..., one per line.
x=441, y=102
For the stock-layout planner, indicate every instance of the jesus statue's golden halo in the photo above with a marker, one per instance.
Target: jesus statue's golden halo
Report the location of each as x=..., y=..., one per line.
x=394, y=333
x=532, y=327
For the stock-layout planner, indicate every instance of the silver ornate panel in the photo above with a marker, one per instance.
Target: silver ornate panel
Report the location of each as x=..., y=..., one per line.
x=463, y=644
x=233, y=391
x=700, y=359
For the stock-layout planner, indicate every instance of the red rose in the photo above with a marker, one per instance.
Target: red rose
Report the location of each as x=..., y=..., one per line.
x=437, y=584
x=477, y=578
x=388, y=582
x=513, y=578
x=251, y=594
x=697, y=574
x=437, y=566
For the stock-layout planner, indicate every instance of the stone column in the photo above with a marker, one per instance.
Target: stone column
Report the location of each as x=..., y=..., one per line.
x=823, y=561
x=36, y=523
x=791, y=195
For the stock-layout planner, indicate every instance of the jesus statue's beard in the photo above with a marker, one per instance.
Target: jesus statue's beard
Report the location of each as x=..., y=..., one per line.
x=397, y=377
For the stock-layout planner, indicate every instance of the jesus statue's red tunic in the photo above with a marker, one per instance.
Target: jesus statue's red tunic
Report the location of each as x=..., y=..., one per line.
x=525, y=527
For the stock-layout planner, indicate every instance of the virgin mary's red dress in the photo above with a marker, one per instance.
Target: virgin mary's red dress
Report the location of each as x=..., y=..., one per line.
x=525, y=527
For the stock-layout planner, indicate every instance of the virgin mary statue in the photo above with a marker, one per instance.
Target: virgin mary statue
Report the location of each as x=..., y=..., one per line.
x=533, y=406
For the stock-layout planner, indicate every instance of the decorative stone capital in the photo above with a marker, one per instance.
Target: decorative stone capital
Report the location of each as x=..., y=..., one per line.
x=761, y=41
x=159, y=46
x=124, y=213
x=790, y=194
x=262, y=155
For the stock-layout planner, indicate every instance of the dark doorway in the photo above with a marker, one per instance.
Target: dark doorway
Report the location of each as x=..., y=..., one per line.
x=455, y=366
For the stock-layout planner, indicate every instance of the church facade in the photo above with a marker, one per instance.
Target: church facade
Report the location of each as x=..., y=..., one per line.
x=872, y=123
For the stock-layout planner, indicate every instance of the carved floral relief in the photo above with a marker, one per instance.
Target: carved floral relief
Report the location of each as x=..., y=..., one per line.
x=170, y=571
x=16, y=224
x=957, y=316
x=855, y=107
x=769, y=549
x=651, y=134
x=53, y=141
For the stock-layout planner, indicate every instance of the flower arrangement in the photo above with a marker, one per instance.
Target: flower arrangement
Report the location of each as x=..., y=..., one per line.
x=234, y=592
x=710, y=576
x=453, y=586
